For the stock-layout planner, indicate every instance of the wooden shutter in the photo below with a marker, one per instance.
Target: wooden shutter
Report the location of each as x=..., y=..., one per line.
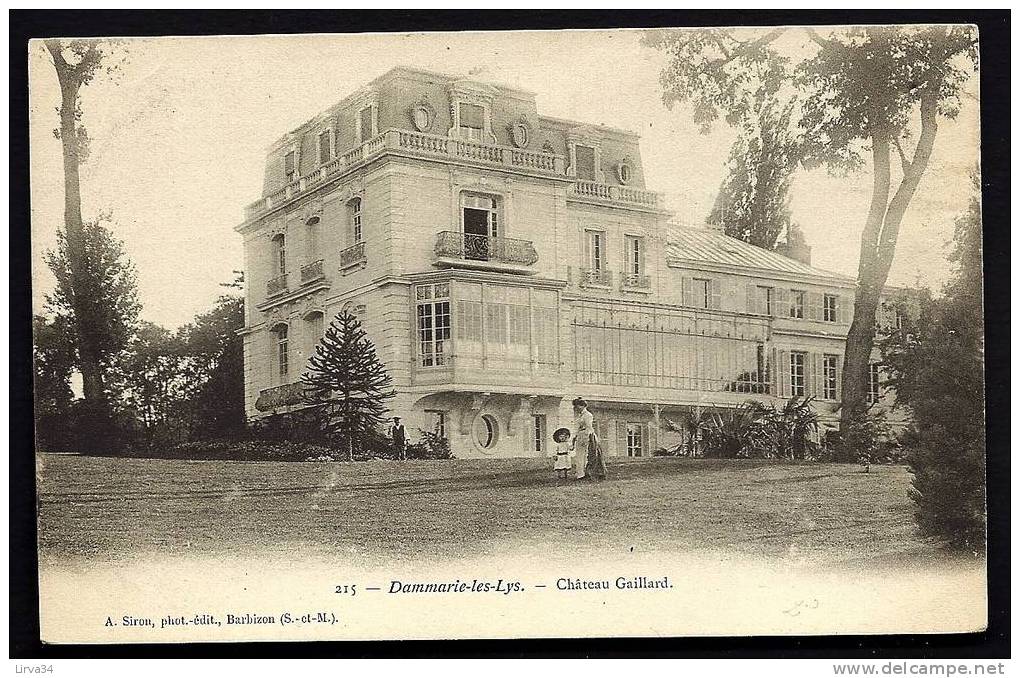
x=783, y=374
x=621, y=439
x=819, y=367
x=814, y=306
x=782, y=303
x=687, y=287
x=714, y=294
x=839, y=378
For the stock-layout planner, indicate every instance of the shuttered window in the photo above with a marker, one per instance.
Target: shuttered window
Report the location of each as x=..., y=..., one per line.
x=797, y=303
x=636, y=440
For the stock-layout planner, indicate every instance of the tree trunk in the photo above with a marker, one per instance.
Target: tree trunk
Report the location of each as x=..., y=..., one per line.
x=89, y=359
x=878, y=245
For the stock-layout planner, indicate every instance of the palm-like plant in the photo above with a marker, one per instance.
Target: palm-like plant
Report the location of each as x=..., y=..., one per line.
x=691, y=424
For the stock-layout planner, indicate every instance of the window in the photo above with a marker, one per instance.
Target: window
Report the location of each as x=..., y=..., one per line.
x=764, y=305
x=797, y=303
x=596, y=250
x=797, y=360
x=280, y=243
x=538, y=427
x=874, y=389
x=830, y=375
x=480, y=222
x=314, y=327
x=433, y=323
x=289, y=166
x=899, y=318
x=830, y=308
x=585, y=157
x=635, y=248
x=354, y=216
x=486, y=430
x=702, y=293
x=366, y=123
x=325, y=146
x=437, y=422
x=472, y=121
x=635, y=440
x=282, y=359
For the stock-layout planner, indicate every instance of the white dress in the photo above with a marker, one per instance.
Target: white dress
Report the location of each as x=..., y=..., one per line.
x=585, y=426
x=562, y=453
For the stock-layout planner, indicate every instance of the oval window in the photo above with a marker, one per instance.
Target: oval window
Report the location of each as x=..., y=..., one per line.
x=626, y=173
x=486, y=431
x=422, y=119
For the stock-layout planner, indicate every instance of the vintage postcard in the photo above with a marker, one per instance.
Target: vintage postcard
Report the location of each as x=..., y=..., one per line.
x=520, y=334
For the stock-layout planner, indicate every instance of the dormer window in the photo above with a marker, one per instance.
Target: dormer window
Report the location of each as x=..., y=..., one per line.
x=366, y=123
x=585, y=157
x=325, y=146
x=472, y=121
x=290, y=166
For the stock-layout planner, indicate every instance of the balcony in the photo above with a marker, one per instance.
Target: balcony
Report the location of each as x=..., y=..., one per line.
x=353, y=256
x=413, y=144
x=465, y=250
x=635, y=282
x=280, y=396
x=312, y=272
x=595, y=192
x=596, y=277
x=277, y=285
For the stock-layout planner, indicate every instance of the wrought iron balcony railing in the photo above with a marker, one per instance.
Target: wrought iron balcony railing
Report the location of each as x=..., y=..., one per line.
x=353, y=255
x=276, y=285
x=312, y=272
x=636, y=281
x=597, y=276
x=470, y=247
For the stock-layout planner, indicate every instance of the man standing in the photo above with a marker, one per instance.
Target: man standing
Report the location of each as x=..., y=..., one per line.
x=399, y=438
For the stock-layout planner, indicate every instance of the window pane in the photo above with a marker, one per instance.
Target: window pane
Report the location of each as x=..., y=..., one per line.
x=366, y=123
x=324, y=149
x=472, y=116
x=585, y=162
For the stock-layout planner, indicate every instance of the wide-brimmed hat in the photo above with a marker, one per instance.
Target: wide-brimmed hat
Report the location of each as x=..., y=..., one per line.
x=561, y=434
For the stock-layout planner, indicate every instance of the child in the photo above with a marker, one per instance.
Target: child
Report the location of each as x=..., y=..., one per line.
x=562, y=450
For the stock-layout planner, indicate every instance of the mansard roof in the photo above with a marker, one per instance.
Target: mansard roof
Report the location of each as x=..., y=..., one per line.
x=690, y=246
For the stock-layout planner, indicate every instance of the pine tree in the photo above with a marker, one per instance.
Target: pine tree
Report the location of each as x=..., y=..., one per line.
x=347, y=383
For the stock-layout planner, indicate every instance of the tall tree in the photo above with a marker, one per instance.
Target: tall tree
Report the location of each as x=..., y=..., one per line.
x=862, y=91
x=99, y=306
x=347, y=383
x=218, y=404
x=77, y=63
x=753, y=202
x=936, y=368
x=53, y=363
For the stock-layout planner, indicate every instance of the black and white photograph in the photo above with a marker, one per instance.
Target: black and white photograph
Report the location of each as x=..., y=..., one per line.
x=643, y=332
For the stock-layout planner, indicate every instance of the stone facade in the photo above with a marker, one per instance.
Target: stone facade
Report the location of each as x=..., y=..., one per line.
x=504, y=262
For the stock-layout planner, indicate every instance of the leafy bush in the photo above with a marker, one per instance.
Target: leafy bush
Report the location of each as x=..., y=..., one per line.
x=868, y=439
x=756, y=430
x=430, y=446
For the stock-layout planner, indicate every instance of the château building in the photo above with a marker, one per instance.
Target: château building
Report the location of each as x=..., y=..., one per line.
x=504, y=262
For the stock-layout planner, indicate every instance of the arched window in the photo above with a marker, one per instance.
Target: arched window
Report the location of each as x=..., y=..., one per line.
x=354, y=217
x=280, y=253
x=312, y=238
x=313, y=330
x=282, y=356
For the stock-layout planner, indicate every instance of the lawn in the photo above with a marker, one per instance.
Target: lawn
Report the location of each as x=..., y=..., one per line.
x=375, y=512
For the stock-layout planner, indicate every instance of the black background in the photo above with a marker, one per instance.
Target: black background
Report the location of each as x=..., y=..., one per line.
x=994, y=80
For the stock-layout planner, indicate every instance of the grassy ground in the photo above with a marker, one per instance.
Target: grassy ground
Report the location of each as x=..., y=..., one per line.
x=377, y=511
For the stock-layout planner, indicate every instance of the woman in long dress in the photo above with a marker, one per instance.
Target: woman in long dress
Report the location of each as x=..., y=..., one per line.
x=584, y=427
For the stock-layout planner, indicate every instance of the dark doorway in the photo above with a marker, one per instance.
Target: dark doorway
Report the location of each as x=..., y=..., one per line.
x=476, y=234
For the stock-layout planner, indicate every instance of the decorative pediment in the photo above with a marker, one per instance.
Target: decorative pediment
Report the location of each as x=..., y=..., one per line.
x=467, y=89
